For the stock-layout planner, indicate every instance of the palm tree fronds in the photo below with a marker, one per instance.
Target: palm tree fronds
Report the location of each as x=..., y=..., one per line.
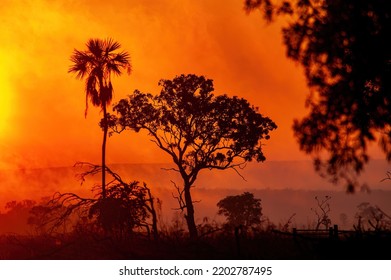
x=92, y=92
x=110, y=45
x=95, y=47
x=96, y=64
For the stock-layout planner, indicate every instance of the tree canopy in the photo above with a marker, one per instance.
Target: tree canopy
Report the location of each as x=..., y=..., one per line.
x=96, y=65
x=241, y=210
x=345, y=50
x=196, y=128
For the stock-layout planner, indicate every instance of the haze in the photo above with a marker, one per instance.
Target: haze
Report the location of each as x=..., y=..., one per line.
x=42, y=120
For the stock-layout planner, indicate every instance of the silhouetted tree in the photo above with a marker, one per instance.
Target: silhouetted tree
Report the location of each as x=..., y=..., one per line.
x=372, y=217
x=322, y=212
x=127, y=205
x=96, y=65
x=14, y=219
x=44, y=217
x=241, y=210
x=197, y=129
x=345, y=50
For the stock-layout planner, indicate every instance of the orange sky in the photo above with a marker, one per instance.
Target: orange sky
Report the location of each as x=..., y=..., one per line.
x=42, y=106
x=42, y=122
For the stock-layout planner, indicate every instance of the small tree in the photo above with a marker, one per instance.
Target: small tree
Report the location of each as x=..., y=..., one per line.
x=241, y=210
x=197, y=129
x=322, y=212
x=371, y=217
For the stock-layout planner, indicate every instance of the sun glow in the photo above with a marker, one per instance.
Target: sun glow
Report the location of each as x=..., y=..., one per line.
x=5, y=97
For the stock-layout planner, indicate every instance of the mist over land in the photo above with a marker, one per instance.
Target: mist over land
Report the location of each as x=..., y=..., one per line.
x=292, y=192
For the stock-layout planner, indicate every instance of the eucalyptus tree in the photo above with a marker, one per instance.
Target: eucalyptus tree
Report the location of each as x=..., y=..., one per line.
x=196, y=128
x=345, y=50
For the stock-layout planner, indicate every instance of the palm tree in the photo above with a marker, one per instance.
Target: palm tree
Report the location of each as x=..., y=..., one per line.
x=96, y=65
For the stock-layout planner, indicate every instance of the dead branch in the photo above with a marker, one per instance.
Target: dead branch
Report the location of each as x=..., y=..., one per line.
x=322, y=216
x=179, y=198
x=151, y=209
x=237, y=172
x=388, y=173
x=285, y=227
x=170, y=169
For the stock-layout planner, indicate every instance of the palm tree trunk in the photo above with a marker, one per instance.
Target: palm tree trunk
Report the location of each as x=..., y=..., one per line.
x=105, y=129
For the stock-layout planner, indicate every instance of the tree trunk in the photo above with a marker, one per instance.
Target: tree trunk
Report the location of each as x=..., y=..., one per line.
x=151, y=209
x=105, y=129
x=190, y=213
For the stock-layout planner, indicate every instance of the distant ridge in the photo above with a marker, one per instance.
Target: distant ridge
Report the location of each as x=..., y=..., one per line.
x=270, y=174
x=285, y=187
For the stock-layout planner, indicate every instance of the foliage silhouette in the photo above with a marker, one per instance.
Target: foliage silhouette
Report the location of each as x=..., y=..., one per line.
x=322, y=212
x=45, y=217
x=345, y=50
x=241, y=210
x=15, y=216
x=371, y=217
x=96, y=65
x=84, y=242
x=127, y=206
x=197, y=129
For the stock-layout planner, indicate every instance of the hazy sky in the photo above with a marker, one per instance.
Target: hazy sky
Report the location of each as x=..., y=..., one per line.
x=42, y=106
